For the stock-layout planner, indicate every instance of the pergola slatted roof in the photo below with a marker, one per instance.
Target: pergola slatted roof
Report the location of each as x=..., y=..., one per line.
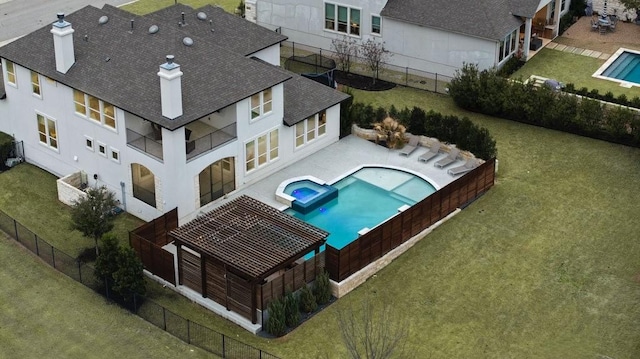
x=250, y=236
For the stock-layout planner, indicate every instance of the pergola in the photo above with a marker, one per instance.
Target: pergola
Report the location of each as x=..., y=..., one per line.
x=239, y=245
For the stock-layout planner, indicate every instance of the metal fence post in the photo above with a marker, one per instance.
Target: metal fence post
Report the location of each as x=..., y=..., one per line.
x=436, y=82
x=53, y=255
x=188, y=331
x=15, y=229
x=224, y=352
x=164, y=318
x=37, y=247
x=406, y=76
x=80, y=271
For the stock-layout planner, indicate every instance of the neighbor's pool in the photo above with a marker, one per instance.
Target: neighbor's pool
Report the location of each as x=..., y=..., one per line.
x=365, y=199
x=623, y=67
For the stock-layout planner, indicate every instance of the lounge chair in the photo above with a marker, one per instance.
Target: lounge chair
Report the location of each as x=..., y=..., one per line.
x=451, y=158
x=414, y=142
x=433, y=151
x=594, y=25
x=468, y=166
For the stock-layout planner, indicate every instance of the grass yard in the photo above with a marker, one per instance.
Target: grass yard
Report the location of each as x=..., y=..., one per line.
x=45, y=314
x=571, y=68
x=141, y=7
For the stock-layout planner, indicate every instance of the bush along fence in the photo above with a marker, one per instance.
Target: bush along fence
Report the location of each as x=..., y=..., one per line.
x=301, y=58
x=486, y=92
x=178, y=326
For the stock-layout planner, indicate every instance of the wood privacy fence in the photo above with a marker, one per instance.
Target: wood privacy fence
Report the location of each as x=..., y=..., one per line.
x=147, y=241
x=341, y=263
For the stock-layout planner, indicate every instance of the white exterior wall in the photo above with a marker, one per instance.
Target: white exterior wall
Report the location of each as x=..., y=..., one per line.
x=270, y=54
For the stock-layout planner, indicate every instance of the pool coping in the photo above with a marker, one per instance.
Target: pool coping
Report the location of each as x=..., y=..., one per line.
x=612, y=58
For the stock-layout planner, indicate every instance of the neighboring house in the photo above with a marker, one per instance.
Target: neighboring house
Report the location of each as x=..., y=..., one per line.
x=436, y=36
x=97, y=92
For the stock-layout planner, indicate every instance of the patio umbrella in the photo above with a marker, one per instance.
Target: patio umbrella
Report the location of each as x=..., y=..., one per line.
x=604, y=9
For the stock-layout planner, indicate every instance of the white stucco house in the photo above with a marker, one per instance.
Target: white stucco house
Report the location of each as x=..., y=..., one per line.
x=436, y=36
x=172, y=109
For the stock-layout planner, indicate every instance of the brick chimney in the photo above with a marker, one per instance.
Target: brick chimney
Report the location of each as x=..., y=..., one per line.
x=170, y=89
x=63, y=44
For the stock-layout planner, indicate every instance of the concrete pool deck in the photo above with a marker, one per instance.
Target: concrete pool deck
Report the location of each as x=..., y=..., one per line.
x=341, y=158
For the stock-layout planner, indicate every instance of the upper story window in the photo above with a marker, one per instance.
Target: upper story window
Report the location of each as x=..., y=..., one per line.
x=508, y=45
x=376, y=25
x=47, y=131
x=11, y=72
x=311, y=128
x=261, y=104
x=35, y=84
x=95, y=109
x=342, y=19
x=562, y=5
x=261, y=150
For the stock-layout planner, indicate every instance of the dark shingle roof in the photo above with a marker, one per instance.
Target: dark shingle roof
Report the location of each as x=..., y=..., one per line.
x=304, y=97
x=250, y=237
x=120, y=66
x=489, y=19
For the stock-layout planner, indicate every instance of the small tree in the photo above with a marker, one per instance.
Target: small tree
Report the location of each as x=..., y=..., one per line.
x=374, y=54
x=128, y=280
x=107, y=262
x=391, y=131
x=307, y=300
x=291, y=309
x=345, y=48
x=92, y=214
x=372, y=333
x=322, y=288
x=276, y=324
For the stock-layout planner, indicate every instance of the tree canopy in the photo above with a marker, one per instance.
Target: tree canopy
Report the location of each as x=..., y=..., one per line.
x=93, y=214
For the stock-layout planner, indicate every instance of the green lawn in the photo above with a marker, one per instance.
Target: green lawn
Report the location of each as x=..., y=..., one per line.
x=45, y=314
x=572, y=68
x=146, y=6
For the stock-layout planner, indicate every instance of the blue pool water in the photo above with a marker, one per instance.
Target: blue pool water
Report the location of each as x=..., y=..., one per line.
x=365, y=199
x=626, y=67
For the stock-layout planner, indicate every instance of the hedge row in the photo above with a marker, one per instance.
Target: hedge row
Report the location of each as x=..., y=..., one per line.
x=486, y=92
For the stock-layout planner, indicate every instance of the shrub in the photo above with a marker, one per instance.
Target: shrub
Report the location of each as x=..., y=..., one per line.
x=345, y=113
x=128, y=280
x=107, y=261
x=623, y=100
x=276, y=324
x=322, y=288
x=609, y=97
x=583, y=91
x=510, y=67
x=6, y=147
x=307, y=300
x=635, y=102
x=291, y=309
x=417, y=121
x=464, y=88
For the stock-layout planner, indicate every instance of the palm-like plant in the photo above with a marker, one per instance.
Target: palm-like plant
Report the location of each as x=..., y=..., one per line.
x=391, y=131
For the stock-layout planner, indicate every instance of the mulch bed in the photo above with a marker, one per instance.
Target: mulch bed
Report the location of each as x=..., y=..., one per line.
x=361, y=82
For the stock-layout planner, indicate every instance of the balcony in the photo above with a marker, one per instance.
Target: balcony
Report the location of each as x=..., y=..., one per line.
x=145, y=143
x=204, y=138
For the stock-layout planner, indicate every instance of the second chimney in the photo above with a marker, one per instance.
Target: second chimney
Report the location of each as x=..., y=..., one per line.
x=170, y=88
x=63, y=44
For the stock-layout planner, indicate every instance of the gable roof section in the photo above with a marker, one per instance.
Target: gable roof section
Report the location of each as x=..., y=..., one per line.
x=120, y=66
x=304, y=97
x=489, y=19
x=250, y=237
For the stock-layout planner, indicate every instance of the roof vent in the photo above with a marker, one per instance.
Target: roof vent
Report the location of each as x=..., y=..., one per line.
x=183, y=22
x=187, y=41
x=153, y=29
x=60, y=16
x=103, y=19
x=201, y=16
x=211, y=25
x=131, y=25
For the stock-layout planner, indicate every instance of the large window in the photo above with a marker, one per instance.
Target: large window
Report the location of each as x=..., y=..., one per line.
x=35, y=84
x=217, y=180
x=144, y=184
x=508, y=45
x=261, y=104
x=47, y=132
x=311, y=128
x=376, y=25
x=562, y=5
x=94, y=109
x=11, y=72
x=261, y=150
x=348, y=19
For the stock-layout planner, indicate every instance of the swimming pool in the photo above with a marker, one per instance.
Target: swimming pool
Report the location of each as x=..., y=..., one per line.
x=309, y=194
x=366, y=198
x=622, y=67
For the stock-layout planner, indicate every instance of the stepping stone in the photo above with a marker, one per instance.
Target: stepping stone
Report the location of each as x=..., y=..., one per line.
x=569, y=49
x=552, y=45
x=561, y=47
x=577, y=51
x=596, y=54
x=586, y=52
x=604, y=56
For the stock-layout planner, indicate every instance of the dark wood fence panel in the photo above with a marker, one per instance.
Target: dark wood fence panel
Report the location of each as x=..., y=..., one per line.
x=372, y=245
x=154, y=258
x=216, y=282
x=239, y=295
x=191, y=272
x=156, y=230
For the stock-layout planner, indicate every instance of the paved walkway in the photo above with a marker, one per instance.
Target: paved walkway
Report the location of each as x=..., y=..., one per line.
x=578, y=50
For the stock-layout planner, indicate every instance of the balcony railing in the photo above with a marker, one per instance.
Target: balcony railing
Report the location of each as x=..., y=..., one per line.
x=145, y=144
x=211, y=141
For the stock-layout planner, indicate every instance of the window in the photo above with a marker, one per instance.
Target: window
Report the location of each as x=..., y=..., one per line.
x=35, y=83
x=508, y=45
x=95, y=109
x=311, y=128
x=88, y=142
x=11, y=73
x=102, y=149
x=348, y=19
x=261, y=104
x=376, y=24
x=115, y=155
x=144, y=186
x=261, y=150
x=562, y=5
x=217, y=180
x=47, y=131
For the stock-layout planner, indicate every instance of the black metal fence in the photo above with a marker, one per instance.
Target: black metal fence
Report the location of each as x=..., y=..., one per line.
x=301, y=58
x=178, y=326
